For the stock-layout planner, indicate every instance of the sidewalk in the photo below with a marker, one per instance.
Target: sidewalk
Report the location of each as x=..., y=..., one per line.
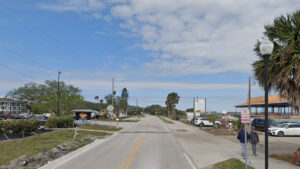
x=206, y=149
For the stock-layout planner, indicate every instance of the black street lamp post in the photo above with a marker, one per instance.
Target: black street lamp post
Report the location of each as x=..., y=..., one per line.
x=266, y=48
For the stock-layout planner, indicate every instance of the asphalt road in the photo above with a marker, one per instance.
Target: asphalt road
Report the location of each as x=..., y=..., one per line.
x=146, y=145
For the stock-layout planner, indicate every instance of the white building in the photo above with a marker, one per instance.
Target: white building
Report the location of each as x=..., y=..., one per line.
x=11, y=106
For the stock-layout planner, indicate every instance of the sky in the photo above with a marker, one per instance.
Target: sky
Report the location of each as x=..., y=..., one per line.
x=197, y=48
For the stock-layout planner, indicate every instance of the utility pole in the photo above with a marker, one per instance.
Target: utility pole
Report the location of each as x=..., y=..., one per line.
x=194, y=107
x=58, y=93
x=112, y=99
x=136, y=101
x=112, y=92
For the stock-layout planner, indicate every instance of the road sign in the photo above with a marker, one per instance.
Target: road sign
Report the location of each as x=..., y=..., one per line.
x=110, y=108
x=245, y=116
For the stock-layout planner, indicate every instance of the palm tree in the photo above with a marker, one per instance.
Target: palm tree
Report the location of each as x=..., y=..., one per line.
x=172, y=99
x=284, y=64
x=97, y=98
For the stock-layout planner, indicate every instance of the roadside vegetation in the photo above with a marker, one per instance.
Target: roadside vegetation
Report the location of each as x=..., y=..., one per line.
x=18, y=126
x=60, y=122
x=286, y=157
x=284, y=75
x=166, y=121
x=33, y=145
x=232, y=163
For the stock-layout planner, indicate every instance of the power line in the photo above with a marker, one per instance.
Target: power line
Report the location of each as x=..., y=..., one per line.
x=38, y=31
x=24, y=57
x=15, y=70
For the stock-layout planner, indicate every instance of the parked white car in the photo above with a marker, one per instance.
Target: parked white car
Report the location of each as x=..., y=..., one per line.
x=202, y=121
x=285, y=129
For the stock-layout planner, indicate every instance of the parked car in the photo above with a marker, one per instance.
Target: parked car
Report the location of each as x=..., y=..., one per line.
x=9, y=116
x=259, y=123
x=193, y=120
x=42, y=119
x=203, y=121
x=24, y=116
x=289, y=129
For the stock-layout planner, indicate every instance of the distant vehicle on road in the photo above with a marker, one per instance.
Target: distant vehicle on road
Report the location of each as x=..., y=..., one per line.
x=259, y=123
x=285, y=129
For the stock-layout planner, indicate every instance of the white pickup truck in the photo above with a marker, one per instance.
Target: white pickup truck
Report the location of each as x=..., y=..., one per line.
x=203, y=121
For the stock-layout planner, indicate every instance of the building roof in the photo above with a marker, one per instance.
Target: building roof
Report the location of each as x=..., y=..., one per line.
x=274, y=101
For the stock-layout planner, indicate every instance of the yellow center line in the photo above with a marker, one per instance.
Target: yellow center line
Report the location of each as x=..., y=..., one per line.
x=134, y=149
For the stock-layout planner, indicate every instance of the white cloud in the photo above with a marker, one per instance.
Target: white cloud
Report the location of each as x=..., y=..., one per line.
x=194, y=37
x=92, y=7
x=188, y=37
x=105, y=84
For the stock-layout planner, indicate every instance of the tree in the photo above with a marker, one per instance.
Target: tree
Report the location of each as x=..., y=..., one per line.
x=153, y=109
x=284, y=64
x=97, y=98
x=190, y=110
x=42, y=98
x=108, y=99
x=172, y=99
x=123, y=103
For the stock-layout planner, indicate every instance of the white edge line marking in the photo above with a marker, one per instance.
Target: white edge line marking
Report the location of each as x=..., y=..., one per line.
x=189, y=160
x=67, y=157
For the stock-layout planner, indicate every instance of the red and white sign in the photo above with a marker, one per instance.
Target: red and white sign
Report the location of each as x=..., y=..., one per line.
x=245, y=116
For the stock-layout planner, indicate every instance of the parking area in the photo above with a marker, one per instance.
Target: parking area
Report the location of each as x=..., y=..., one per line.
x=206, y=149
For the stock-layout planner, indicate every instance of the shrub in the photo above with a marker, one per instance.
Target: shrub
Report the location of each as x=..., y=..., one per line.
x=237, y=123
x=60, y=122
x=19, y=126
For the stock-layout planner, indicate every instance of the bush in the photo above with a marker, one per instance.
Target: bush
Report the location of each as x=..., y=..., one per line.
x=19, y=126
x=60, y=122
x=237, y=123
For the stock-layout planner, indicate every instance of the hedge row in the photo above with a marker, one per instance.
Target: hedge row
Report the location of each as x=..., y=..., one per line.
x=19, y=126
x=60, y=122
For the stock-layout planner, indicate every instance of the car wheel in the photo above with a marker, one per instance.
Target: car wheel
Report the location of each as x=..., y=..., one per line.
x=280, y=134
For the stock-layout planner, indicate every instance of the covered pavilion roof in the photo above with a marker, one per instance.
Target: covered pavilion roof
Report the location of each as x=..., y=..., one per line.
x=274, y=101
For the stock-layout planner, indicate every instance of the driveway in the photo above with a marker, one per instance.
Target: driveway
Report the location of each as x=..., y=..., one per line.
x=206, y=149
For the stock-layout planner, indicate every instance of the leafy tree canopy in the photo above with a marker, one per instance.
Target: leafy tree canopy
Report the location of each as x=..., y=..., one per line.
x=42, y=98
x=284, y=63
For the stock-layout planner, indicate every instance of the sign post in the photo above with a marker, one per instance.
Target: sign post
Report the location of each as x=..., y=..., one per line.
x=246, y=119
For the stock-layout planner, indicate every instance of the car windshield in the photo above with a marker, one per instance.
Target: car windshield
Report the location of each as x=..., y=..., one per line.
x=272, y=122
x=282, y=125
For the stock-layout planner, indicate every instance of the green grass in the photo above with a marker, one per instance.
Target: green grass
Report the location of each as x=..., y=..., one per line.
x=232, y=163
x=100, y=127
x=186, y=122
x=182, y=130
x=284, y=157
x=33, y=145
